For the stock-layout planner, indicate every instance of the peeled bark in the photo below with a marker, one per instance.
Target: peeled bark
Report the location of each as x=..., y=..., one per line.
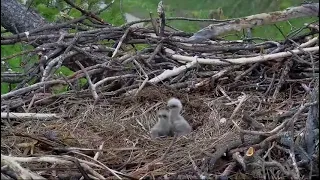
x=215, y=30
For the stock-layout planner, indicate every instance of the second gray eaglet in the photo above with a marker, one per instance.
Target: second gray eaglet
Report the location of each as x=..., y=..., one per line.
x=163, y=127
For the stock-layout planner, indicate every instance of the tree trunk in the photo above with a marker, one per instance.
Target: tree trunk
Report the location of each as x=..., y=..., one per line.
x=16, y=18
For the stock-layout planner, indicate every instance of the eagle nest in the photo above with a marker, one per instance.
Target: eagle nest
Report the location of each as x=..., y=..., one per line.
x=252, y=104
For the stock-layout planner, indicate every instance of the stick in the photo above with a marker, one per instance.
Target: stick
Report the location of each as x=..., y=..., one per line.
x=30, y=88
x=120, y=43
x=115, y=173
x=260, y=58
x=169, y=73
x=161, y=14
x=93, y=172
x=310, y=42
x=196, y=168
x=241, y=101
x=38, y=116
x=169, y=147
x=214, y=30
x=278, y=128
x=288, y=64
x=92, y=86
x=154, y=25
x=145, y=74
x=99, y=152
x=15, y=166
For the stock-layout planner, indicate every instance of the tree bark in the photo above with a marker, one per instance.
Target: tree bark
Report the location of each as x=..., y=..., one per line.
x=16, y=18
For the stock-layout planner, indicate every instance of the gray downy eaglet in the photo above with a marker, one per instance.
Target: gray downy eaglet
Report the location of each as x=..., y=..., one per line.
x=163, y=127
x=179, y=125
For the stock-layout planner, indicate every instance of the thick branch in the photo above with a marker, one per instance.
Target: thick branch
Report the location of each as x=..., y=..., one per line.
x=214, y=30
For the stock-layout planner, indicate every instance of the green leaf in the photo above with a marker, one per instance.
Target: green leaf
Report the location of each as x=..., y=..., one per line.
x=4, y=88
x=48, y=12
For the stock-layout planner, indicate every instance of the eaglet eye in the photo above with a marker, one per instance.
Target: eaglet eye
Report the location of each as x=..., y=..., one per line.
x=173, y=106
x=162, y=116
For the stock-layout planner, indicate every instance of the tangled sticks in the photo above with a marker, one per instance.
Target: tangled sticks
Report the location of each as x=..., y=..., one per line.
x=253, y=105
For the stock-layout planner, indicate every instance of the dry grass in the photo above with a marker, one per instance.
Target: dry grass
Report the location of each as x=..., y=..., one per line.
x=126, y=122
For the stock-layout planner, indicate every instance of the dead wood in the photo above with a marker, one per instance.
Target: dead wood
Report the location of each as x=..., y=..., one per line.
x=253, y=105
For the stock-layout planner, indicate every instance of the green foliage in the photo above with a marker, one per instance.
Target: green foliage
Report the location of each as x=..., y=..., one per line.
x=58, y=89
x=63, y=70
x=113, y=15
x=47, y=12
x=74, y=13
x=14, y=63
x=4, y=88
x=284, y=4
x=273, y=33
x=141, y=46
x=93, y=5
x=83, y=81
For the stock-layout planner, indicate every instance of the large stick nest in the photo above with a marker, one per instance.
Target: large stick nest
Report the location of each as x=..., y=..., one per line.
x=253, y=106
